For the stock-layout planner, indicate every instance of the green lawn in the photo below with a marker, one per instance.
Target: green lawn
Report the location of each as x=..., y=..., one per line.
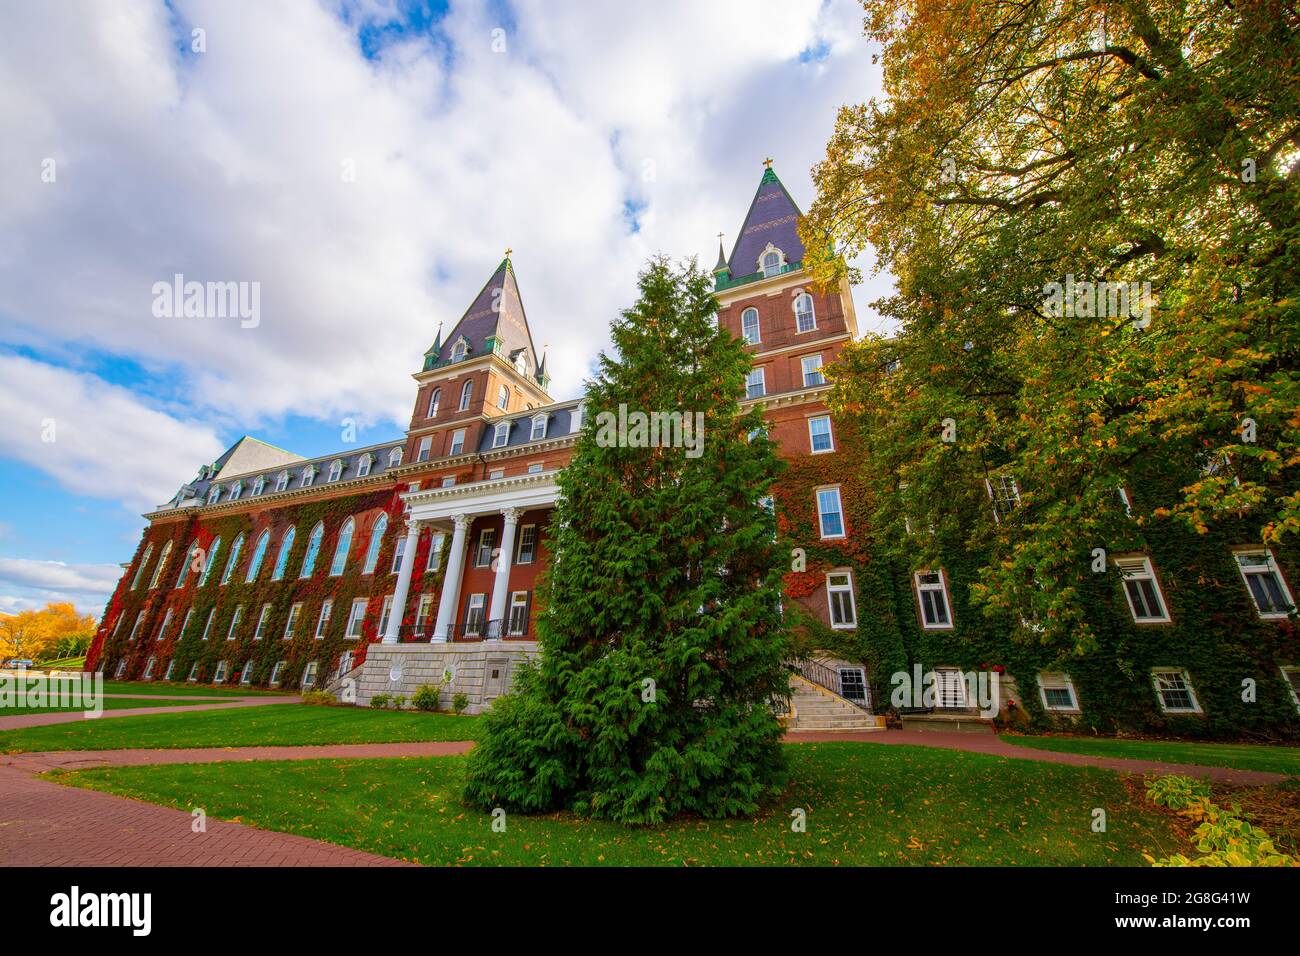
x=1238, y=756
x=270, y=726
x=865, y=804
x=110, y=703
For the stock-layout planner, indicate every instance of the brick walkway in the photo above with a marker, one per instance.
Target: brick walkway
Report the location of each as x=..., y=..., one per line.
x=68, y=716
x=1001, y=747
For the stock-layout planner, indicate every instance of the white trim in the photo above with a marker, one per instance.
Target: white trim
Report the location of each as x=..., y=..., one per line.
x=1187, y=685
x=1138, y=569
x=1270, y=565
x=846, y=588
x=830, y=433
x=1287, y=670
x=927, y=587
x=1057, y=681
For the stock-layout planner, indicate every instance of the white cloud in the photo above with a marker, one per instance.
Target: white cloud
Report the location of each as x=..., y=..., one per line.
x=106, y=442
x=30, y=585
x=227, y=165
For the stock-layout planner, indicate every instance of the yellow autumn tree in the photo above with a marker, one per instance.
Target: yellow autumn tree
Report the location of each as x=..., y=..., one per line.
x=29, y=634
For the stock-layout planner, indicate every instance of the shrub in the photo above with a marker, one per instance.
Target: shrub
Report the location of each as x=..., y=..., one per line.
x=399, y=701
x=459, y=703
x=1223, y=836
x=319, y=698
x=380, y=700
x=426, y=698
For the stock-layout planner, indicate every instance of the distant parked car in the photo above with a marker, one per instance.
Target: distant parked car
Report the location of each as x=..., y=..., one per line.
x=21, y=663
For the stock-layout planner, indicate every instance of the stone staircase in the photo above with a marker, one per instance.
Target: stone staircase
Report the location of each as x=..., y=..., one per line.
x=816, y=708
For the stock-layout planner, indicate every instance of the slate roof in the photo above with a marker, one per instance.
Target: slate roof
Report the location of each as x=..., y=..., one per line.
x=498, y=310
x=773, y=217
x=558, y=425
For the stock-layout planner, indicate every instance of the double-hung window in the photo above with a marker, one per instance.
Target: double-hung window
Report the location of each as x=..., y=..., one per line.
x=839, y=594
x=820, y=438
x=1142, y=589
x=756, y=383
x=1174, y=691
x=1267, y=587
x=812, y=371
x=932, y=596
x=830, y=513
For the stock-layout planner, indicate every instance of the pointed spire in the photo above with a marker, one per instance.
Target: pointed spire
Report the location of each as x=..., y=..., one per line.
x=494, y=322
x=437, y=342
x=772, y=220
x=722, y=258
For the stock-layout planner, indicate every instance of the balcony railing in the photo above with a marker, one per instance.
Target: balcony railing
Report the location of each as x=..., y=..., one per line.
x=469, y=632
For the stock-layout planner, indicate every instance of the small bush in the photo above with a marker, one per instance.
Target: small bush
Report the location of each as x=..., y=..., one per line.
x=380, y=701
x=399, y=701
x=319, y=698
x=426, y=698
x=459, y=703
x=1223, y=836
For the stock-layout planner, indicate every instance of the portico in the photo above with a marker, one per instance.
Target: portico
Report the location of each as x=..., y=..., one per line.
x=456, y=509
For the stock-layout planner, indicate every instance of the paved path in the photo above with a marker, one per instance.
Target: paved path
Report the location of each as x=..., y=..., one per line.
x=46, y=824
x=1002, y=747
x=69, y=716
x=83, y=759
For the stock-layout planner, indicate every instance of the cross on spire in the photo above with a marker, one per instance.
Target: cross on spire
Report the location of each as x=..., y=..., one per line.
x=508, y=251
x=768, y=162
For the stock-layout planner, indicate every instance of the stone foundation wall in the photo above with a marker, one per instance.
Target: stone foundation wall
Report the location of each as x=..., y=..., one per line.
x=481, y=671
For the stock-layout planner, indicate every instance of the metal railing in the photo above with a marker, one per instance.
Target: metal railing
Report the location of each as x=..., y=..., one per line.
x=827, y=677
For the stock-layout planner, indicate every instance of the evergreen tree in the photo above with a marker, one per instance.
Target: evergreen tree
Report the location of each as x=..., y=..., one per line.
x=661, y=634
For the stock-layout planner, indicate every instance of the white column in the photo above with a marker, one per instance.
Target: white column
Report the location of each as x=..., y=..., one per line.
x=398, y=610
x=451, y=580
x=501, y=585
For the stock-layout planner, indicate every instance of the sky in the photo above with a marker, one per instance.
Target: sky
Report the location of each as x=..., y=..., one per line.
x=364, y=163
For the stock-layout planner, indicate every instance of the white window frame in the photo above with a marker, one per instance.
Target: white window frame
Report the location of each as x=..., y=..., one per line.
x=812, y=371
x=291, y=622
x=1125, y=501
x=1157, y=672
x=162, y=631
x=261, y=622
x=537, y=431
x=246, y=674
x=1006, y=497
x=501, y=434
x=1270, y=565
x=214, y=494
x=437, y=540
x=135, y=628
x=171, y=667
x=149, y=665
x=1057, y=680
x=757, y=377
x=843, y=587
x=1136, y=569
x=236, y=490
x=193, y=675
x=575, y=417
x=308, y=477
x=535, y=467
x=476, y=602
x=395, y=458
x=812, y=435
x=1287, y=671
x=308, y=676
x=259, y=485
x=363, y=465
x=774, y=270
x=466, y=395
x=235, y=620
x=527, y=533
x=425, y=449
x=941, y=587
x=207, y=625
x=385, y=610
x=275, y=674
x=744, y=329
x=811, y=313
x=510, y=613
x=458, y=441
x=185, y=623
x=222, y=670
x=399, y=551
x=423, y=613
x=449, y=481
x=336, y=470
x=496, y=474
x=435, y=399
x=821, y=515
x=323, y=621
x=356, y=617
x=487, y=540
x=503, y=397
x=282, y=481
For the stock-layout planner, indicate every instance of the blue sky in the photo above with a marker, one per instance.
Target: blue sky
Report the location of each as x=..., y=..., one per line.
x=365, y=162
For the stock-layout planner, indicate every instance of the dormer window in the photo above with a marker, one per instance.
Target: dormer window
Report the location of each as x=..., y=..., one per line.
x=501, y=435
x=308, y=476
x=459, y=350
x=336, y=470
x=575, y=418
x=214, y=494
x=363, y=464
x=521, y=362
x=235, y=491
x=394, y=458
x=282, y=482
x=259, y=486
x=539, y=427
x=771, y=262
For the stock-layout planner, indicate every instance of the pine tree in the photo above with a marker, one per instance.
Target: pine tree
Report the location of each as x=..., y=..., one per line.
x=661, y=634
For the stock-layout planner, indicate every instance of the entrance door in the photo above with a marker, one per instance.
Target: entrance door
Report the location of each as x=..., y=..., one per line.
x=950, y=687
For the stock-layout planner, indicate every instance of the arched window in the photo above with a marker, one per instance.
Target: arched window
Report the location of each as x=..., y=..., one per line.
x=376, y=536
x=771, y=263
x=186, y=558
x=313, y=549
x=259, y=486
x=336, y=470
x=282, y=559
x=214, y=494
x=162, y=563
x=503, y=397
x=308, y=476
x=282, y=482
x=212, y=561
x=434, y=399
x=235, y=548
x=363, y=464
x=341, y=549
x=805, y=320
x=139, y=572
x=749, y=326
x=235, y=490
x=458, y=350
x=394, y=458
x=259, y=554
x=501, y=435
x=466, y=394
